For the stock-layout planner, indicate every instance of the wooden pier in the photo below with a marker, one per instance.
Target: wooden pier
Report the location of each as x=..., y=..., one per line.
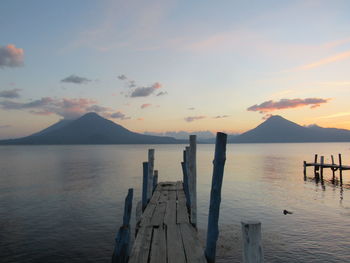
x=166, y=217
x=319, y=166
x=165, y=233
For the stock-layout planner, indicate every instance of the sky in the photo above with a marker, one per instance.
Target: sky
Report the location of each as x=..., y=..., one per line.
x=161, y=66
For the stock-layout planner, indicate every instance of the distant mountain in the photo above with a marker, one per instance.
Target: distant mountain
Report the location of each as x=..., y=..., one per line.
x=89, y=129
x=277, y=129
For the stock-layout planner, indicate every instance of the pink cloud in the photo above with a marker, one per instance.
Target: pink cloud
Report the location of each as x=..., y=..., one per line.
x=146, y=105
x=10, y=56
x=271, y=105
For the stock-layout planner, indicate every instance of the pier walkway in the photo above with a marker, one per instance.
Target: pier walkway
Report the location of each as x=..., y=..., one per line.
x=164, y=232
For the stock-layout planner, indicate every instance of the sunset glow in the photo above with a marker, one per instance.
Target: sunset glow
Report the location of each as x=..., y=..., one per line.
x=159, y=66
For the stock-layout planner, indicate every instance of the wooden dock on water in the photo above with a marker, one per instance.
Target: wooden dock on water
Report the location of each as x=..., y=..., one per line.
x=319, y=166
x=166, y=217
x=165, y=233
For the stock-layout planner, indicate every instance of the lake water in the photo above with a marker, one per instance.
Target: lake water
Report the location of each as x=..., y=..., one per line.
x=65, y=203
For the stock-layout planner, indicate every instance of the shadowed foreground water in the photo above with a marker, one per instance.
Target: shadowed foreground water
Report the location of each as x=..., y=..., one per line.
x=65, y=203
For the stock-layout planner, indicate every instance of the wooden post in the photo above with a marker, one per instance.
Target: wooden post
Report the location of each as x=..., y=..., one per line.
x=122, y=240
x=340, y=169
x=333, y=169
x=252, y=249
x=192, y=178
x=150, y=173
x=321, y=167
x=215, y=196
x=315, y=167
x=304, y=170
x=187, y=164
x=155, y=180
x=185, y=180
x=138, y=216
x=144, y=185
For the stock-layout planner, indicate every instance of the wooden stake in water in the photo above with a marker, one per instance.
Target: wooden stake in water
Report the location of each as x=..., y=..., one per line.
x=192, y=178
x=155, y=180
x=144, y=185
x=215, y=196
x=122, y=241
x=333, y=169
x=150, y=173
x=321, y=167
x=252, y=249
x=315, y=167
x=340, y=169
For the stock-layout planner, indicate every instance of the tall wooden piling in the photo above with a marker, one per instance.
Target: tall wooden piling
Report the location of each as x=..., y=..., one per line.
x=304, y=170
x=315, y=167
x=144, y=185
x=122, y=241
x=340, y=169
x=155, y=180
x=192, y=178
x=252, y=248
x=321, y=167
x=333, y=169
x=150, y=173
x=215, y=196
x=185, y=179
x=187, y=165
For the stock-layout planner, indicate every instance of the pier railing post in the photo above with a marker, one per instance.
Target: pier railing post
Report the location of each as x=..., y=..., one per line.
x=144, y=185
x=315, y=167
x=155, y=180
x=192, y=178
x=333, y=169
x=321, y=167
x=189, y=189
x=252, y=248
x=340, y=169
x=122, y=241
x=185, y=179
x=215, y=196
x=150, y=173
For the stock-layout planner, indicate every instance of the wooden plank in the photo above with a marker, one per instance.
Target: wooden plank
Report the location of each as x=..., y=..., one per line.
x=155, y=197
x=181, y=208
x=170, y=212
x=159, y=212
x=147, y=215
x=194, y=252
x=158, y=249
x=175, y=249
x=142, y=245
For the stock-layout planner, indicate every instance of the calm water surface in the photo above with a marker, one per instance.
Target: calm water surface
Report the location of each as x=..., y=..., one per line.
x=64, y=203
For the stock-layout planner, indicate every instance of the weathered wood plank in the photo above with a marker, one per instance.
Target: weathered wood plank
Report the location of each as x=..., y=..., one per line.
x=159, y=212
x=181, y=208
x=170, y=212
x=252, y=248
x=175, y=249
x=194, y=252
x=141, y=249
x=158, y=249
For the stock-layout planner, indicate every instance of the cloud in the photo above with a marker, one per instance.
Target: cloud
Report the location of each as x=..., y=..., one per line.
x=98, y=108
x=271, y=105
x=10, y=94
x=194, y=118
x=191, y=108
x=5, y=126
x=162, y=93
x=122, y=77
x=119, y=115
x=325, y=61
x=141, y=91
x=75, y=79
x=146, y=105
x=145, y=91
x=10, y=56
x=221, y=116
x=65, y=107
